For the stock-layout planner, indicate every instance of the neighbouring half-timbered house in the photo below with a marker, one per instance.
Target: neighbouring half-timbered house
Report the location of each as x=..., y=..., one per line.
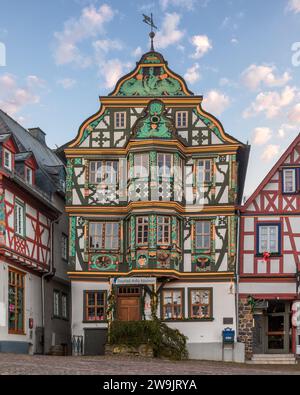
x=34, y=287
x=270, y=259
x=153, y=182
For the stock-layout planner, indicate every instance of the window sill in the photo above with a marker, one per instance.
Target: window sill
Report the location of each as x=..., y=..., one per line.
x=94, y=322
x=271, y=256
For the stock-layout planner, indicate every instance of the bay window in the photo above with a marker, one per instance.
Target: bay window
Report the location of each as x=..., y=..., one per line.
x=165, y=164
x=104, y=172
x=104, y=235
x=141, y=166
x=142, y=230
x=163, y=230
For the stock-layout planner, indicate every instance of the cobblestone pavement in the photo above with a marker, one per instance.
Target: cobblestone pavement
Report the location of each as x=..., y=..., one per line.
x=11, y=364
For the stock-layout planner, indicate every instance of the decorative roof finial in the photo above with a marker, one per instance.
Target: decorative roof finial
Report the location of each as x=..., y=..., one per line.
x=150, y=22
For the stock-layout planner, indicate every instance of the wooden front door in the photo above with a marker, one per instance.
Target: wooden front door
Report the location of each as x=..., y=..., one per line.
x=128, y=304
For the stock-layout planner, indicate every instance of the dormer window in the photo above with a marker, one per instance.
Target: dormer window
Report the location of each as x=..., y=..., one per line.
x=120, y=120
x=7, y=162
x=181, y=119
x=28, y=175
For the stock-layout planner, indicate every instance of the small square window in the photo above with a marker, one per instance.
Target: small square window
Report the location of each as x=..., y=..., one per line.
x=268, y=239
x=181, y=119
x=120, y=120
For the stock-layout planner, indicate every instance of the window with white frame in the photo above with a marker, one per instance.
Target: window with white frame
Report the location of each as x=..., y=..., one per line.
x=181, y=119
x=203, y=235
x=141, y=166
x=28, y=175
x=289, y=180
x=142, y=229
x=104, y=235
x=104, y=172
x=64, y=246
x=7, y=161
x=268, y=238
x=120, y=120
x=19, y=219
x=163, y=230
x=165, y=164
x=203, y=171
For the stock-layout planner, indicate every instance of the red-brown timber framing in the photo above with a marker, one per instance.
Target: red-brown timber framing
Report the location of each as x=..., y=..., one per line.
x=270, y=205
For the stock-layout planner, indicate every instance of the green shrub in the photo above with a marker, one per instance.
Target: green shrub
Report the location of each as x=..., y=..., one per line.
x=166, y=342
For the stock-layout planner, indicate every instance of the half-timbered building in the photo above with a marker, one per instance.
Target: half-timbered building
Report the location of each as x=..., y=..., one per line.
x=34, y=288
x=153, y=182
x=270, y=259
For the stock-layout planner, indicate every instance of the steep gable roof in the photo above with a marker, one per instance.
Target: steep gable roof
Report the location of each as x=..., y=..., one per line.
x=271, y=173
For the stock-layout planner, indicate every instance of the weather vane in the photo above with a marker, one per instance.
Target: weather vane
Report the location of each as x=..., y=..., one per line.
x=149, y=21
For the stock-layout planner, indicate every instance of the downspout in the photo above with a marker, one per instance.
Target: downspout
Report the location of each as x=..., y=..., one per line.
x=237, y=277
x=51, y=271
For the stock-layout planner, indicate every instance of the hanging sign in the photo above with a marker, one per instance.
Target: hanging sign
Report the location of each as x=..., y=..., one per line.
x=135, y=281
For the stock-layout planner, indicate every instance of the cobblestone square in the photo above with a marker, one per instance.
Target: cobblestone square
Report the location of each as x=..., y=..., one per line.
x=12, y=364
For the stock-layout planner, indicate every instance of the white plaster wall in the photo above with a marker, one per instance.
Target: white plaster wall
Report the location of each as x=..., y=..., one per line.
x=33, y=307
x=267, y=288
x=223, y=306
x=77, y=305
x=248, y=224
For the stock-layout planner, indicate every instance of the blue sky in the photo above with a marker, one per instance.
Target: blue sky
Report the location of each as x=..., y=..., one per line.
x=63, y=54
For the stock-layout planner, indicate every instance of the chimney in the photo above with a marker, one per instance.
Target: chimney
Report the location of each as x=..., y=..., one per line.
x=38, y=134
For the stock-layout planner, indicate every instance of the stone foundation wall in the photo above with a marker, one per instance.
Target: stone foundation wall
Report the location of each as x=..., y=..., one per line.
x=246, y=327
x=144, y=350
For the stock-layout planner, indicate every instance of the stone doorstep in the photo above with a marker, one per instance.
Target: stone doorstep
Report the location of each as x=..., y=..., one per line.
x=273, y=359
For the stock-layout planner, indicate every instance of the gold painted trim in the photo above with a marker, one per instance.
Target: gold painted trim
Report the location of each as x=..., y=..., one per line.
x=228, y=149
x=150, y=205
x=217, y=275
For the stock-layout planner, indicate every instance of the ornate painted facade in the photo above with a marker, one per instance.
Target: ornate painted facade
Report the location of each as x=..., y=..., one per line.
x=153, y=183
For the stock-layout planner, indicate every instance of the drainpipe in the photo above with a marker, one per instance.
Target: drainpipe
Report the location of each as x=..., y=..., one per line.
x=50, y=273
x=237, y=277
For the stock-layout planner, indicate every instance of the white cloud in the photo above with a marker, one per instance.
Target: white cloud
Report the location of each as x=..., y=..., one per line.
x=102, y=47
x=286, y=129
x=234, y=41
x=216, y=102
x=67, y=83
x=112, y=70
x=294, y=5
x=137, y=52
x=270, y=103
x=14, y=97
x=294, y=115
x=270, y=152
x=186, y=4
x=256, y=76
x=202, y=46
x=90, y=23
x=192, y=74
x=169, y=33
x=262, y=135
